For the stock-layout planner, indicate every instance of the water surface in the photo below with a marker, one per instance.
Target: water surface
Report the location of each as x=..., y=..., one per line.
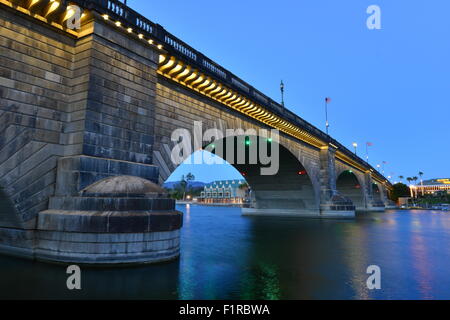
x=227, y=256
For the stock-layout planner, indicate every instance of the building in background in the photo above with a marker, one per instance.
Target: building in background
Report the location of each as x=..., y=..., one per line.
x=433, y=186
x=226, y=192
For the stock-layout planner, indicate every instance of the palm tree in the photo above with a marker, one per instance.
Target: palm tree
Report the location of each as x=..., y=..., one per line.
x=183, y=184
x=409, y=179
x=421, y=182
x=415, y=179
x=189, y=177
x=401, y=178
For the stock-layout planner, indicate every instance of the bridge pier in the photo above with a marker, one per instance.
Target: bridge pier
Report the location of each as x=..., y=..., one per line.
x=332, y=203
x=375, y=197
x=76, y=145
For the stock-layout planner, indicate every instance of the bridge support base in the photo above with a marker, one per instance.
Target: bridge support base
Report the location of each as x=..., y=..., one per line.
x=116, y=220
x=315, y=214
x=374, y=207
x=280, y=213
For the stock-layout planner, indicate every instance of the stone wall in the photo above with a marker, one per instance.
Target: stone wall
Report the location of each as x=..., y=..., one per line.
x=63, y=97
x=74, y=112
x=119, y=112
x=36, y=69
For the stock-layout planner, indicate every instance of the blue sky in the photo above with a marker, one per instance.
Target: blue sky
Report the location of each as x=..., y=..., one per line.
x=388, y=86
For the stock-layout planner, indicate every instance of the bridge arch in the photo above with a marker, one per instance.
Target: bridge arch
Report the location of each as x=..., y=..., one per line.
x=291, y=187
x=377, y=192
x=349, y=185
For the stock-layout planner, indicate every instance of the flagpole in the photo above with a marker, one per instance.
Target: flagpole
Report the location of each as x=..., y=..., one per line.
x=326, y=114
x=367, y=152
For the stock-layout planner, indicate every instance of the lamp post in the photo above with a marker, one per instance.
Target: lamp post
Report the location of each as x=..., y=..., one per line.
x=327, y=124
x=384, y=166
x=282, y=93
x=355, y=145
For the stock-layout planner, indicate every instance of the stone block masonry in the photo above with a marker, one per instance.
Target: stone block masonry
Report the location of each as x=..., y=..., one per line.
x=73, y=112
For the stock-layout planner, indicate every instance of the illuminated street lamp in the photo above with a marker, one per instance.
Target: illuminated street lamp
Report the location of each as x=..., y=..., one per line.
x=355, y=145
x=327, y=124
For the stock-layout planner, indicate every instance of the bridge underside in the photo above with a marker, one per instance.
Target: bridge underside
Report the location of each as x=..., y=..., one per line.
x=349, y=186
x=280, y=185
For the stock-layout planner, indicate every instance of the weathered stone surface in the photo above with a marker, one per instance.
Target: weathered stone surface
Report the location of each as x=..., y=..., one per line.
x=124, y=185
x=109, y=221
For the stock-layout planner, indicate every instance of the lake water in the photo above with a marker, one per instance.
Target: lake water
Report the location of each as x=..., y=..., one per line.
x=227, y=256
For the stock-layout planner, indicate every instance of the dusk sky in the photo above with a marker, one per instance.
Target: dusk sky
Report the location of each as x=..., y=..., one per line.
x=389, y=87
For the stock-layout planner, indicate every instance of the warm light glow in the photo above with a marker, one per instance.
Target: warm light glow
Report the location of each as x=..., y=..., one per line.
x=130, y=30
x=185, y=72
x=105, y=16
x=444, y=181
x=118, y=23
x=160, y=46
x=177, y=68
x=334, y=146
x=150, y=41
x=69, y=14
x=34, y=2
x=192, y=76
x=141, y=36
x=54, y=5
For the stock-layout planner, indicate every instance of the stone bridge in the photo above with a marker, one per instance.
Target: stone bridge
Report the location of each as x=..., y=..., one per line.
x=86, y=117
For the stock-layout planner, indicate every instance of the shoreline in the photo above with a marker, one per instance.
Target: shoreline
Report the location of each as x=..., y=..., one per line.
x=210, y=204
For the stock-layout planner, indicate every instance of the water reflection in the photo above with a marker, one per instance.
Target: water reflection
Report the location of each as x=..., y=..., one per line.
x=227, y=256
x=419, y=253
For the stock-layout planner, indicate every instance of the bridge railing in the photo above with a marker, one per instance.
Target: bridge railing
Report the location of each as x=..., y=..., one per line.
x=117, y=10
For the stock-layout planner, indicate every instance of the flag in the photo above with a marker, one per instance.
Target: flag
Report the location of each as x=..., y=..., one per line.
x=369, y=144
x=327, y=100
